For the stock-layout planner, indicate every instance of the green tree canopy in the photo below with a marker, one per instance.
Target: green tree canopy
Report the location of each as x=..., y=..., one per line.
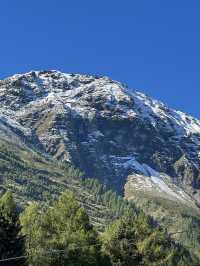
x=132, y=240
x=11, y=241
x=8, y=206
x=63, y=232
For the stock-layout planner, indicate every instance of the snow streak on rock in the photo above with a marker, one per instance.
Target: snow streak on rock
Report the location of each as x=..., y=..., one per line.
x=106, y=129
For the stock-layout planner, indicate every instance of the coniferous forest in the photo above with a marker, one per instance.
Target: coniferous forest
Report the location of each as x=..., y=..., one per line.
x=62, y=234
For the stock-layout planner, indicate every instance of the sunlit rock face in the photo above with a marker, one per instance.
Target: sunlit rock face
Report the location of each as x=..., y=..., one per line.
x=106, y=129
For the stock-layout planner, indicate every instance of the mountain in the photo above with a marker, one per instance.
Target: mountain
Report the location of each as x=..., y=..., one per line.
x=104, y=128
x=131, y=143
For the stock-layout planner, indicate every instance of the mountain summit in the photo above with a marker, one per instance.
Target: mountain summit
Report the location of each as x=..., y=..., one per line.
x=113, y=133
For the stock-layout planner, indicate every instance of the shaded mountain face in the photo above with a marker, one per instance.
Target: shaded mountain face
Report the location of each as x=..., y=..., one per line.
x=110, y=132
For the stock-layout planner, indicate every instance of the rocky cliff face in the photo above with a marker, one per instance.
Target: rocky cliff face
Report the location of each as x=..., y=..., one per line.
x=107, y=130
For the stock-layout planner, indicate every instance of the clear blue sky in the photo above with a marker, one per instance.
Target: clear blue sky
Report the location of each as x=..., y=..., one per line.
x=153, y=46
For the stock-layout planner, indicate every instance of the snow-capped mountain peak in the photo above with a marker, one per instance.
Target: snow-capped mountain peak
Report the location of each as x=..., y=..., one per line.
x=102, y=126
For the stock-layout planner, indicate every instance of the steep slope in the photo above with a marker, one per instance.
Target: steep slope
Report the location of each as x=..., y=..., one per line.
x=103, y=128
x=50, y=120
x=34, y=176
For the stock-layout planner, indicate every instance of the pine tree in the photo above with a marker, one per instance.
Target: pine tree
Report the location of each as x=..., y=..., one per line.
x=120, y=242
x=11, y=241
x=31, y=220
x=62, y=235
x=8, y=207
x=134, y=240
